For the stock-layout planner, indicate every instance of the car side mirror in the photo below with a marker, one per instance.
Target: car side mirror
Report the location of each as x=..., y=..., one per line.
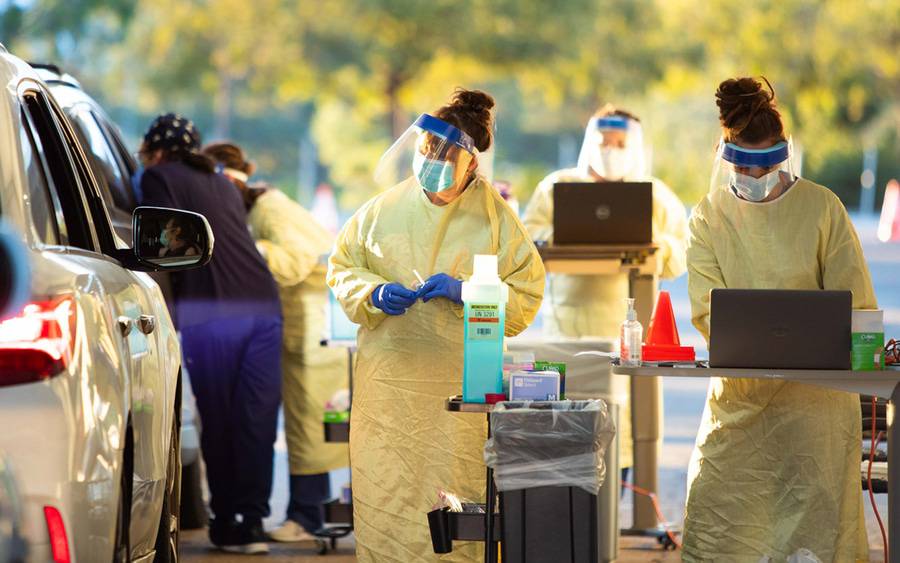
x=168, y=240
x=15, y=272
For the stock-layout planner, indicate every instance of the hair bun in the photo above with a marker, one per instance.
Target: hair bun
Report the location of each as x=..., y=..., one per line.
x=230, y=155
x=741, y=99
x=472, y=100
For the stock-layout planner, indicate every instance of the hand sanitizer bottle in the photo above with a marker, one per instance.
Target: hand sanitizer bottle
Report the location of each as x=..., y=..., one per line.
x=631, y=336
x=485, y=296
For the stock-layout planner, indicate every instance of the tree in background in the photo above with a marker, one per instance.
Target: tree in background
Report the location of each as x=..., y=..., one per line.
x=833, y=64
x=350, y=75
x=401, y=57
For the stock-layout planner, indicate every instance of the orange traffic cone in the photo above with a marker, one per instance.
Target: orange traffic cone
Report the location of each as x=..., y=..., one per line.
x=663, y=343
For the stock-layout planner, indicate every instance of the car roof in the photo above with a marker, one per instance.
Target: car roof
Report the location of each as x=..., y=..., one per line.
x=12, y=72
x=52, y=74
x=65, y=87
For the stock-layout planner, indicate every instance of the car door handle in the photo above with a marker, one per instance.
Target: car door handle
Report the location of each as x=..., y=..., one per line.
x=147, y=323
x=126, y=325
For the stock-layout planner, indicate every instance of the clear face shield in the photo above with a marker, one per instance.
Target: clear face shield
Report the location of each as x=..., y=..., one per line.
x=753, y=174
x=613, y=149
x=434, y=152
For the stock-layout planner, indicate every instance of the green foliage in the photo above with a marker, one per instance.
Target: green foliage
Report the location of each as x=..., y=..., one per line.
x=351, y=74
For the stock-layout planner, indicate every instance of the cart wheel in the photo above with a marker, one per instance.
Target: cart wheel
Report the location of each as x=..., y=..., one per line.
x=321, y=547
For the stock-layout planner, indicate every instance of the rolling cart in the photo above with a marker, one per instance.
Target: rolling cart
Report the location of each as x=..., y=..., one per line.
x=338, y=514
x=472, y=526
x=565, y=520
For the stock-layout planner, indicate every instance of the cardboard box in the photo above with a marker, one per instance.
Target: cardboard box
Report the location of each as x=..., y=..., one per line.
x=559, y=367
x=534, y=386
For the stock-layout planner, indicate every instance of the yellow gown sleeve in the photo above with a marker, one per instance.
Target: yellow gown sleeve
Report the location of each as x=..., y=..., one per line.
x=538, y=217
x=288, y=262
x=523, y=271
x=290, y=252
x=704, y=273
x=349, y=276
x=842, y=261
x=670, y=231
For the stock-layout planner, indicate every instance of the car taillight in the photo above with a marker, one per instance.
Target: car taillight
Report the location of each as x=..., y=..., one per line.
x=37, y=344
x=56, y=528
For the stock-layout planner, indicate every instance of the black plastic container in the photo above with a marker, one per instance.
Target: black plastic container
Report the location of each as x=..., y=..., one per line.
x=447, y=526
x=337, y=432
x=556, y=524
x=337, y=512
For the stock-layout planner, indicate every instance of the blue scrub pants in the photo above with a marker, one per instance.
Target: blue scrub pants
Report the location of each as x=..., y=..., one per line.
x=235, y=370
x=308, y=495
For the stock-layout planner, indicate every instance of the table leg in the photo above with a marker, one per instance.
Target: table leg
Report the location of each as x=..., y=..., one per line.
x=608, y=498
x=646, y=411
x=893, y=479
x=490, y=547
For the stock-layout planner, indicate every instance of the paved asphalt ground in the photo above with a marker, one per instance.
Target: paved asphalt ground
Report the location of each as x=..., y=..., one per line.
x=684, y=401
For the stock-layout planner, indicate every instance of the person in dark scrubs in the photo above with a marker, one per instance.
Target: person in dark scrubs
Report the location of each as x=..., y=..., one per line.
x=229, y=316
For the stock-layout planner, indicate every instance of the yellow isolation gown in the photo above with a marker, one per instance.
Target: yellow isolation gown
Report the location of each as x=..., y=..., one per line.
x=404, y=446
x=293, y=243
x=592, y=306
x=776, y=464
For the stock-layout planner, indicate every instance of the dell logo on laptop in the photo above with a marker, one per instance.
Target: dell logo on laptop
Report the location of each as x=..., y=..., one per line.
x=603, y=212
x=780, y=332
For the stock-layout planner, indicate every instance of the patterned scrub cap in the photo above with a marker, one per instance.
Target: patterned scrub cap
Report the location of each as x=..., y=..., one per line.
x=172, y=132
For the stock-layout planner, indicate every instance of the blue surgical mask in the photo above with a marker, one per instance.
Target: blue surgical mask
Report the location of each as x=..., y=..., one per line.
x=433, y=175
x=164, y=237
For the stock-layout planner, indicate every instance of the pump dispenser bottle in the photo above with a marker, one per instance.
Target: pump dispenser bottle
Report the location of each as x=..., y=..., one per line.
x=631, y=336
x=485, y=296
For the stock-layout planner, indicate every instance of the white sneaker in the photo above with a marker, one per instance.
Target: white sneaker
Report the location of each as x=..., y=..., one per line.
x=290, y=532
x=255, y=548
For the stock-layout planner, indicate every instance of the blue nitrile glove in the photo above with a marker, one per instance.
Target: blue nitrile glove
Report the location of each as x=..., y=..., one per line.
x=393, y=298
x=441, y=285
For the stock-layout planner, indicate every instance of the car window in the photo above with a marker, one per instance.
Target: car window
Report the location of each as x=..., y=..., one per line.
x=127, y=164
x=59, y=168
x=43, y=212
x=115, y=186
x=96, y=211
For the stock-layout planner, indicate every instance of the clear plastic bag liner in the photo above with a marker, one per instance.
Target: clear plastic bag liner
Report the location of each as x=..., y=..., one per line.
x=549, y=444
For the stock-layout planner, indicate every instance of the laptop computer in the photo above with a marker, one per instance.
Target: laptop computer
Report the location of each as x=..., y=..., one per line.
x=780, y=329
x=591, y=213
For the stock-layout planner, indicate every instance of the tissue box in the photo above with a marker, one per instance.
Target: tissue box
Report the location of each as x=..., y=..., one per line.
x=559, y=367
x=867, y=340
x=534, y=386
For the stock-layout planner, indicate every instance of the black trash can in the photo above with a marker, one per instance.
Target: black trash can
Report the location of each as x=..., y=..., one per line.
x=548, y=465
x=549, y=524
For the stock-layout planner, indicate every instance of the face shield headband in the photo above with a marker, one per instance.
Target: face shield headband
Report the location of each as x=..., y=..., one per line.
x=740, y=157
x=441, y=128
x=610, y=123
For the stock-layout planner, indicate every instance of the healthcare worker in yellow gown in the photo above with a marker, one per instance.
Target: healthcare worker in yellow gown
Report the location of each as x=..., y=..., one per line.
x=404, y=447
x=294, y=245
x=776, y=464
x=593, y=306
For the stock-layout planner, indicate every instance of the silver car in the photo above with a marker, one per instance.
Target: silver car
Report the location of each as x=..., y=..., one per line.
x=90, y=393
x=114, y=168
